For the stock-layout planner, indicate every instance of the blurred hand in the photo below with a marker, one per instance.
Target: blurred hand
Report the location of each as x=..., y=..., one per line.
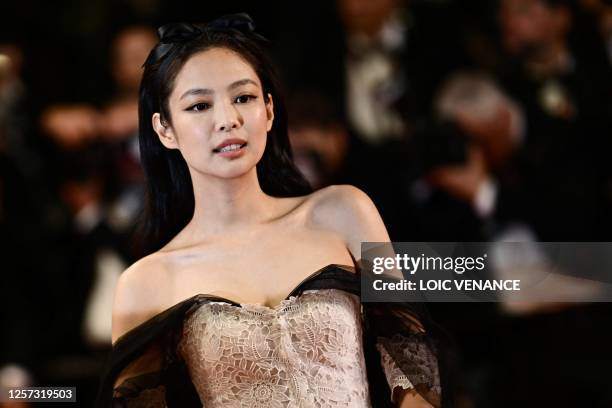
x=71, y=126
x=462, y=181
x=77, y=195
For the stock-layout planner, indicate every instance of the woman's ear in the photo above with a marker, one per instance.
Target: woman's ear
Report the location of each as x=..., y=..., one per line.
x=164, y=131
x=270, y=112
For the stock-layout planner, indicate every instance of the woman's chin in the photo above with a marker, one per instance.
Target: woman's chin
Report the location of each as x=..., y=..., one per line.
x=235, y=172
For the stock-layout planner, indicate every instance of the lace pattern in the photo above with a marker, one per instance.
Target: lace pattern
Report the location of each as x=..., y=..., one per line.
x=409, y=362
x=306, y=352
x=395, y=376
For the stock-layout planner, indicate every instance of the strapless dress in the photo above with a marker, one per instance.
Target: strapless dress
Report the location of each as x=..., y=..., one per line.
x=320, y=347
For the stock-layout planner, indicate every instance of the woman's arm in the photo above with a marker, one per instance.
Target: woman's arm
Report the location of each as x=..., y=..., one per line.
x=139, y=295
x=410, y=399
x=350, y=212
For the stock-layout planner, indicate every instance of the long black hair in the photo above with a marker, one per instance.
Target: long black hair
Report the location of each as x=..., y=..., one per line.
x=169, y=198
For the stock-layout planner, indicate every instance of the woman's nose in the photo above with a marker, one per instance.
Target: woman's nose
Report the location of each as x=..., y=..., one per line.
x=226, y=119
x=226, y=126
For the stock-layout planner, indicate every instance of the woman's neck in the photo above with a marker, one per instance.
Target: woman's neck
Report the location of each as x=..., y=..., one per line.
x=223, y=205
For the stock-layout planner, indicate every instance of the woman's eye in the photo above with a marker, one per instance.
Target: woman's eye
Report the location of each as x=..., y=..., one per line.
x=244, y=98
x=199, y=107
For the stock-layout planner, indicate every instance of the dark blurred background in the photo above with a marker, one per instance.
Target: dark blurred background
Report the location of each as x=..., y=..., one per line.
x=465, y=120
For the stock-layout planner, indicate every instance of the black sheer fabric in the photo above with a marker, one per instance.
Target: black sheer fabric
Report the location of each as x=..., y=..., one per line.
x=145, y=370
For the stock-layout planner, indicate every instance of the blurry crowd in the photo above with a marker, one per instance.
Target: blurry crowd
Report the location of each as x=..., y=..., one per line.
x=463, y=120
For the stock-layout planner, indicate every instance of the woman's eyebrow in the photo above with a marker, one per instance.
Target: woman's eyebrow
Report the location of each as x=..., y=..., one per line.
x=206, y=91
x=197, y=91
x=241, y=82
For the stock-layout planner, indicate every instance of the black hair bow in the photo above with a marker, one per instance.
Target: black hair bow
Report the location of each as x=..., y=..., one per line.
x=173, y=33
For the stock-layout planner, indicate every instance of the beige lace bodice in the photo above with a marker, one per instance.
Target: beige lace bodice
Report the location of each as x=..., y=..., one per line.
x=306, y=352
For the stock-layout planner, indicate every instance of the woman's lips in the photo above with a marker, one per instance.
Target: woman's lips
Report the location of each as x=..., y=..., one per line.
x=227, y=142
x=231, y=151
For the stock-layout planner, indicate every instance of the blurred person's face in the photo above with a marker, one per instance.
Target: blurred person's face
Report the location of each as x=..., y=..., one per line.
x=130, y=50
x=528, y=25
x=366, y=16
x=217, y=96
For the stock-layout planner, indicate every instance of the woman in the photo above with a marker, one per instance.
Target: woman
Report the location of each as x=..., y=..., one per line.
x=249, y=296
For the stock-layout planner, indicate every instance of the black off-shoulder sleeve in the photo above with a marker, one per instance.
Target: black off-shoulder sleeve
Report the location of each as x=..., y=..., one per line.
x=143, y=368
x=402, y=346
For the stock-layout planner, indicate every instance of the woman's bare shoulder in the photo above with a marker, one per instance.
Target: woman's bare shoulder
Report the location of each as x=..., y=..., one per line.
x=336, y=196
x=139, y=293
x=340, y=206
x=349, y=212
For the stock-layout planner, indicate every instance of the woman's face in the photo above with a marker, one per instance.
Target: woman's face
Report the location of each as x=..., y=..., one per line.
x=217, y=100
